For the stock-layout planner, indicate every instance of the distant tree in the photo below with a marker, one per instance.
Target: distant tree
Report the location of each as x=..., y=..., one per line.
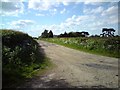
x=107, y=32
x=84, y=34
x=65, y=35
x=92, y=36
x=50, y=34
x=45, y=34
x=74, y=34
x=78, y=34
x=60, y=35
x=71, y=34
x=96, y=36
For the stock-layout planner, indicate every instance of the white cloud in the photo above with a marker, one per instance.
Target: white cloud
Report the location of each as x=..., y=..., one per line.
x=51, y=4
x=11, y=8
x=90, y=23
x=39, y=14
x=95, y=2
x=21, y=23
x=63, y=11
x=94, y=11
x=11, y=0
x=70, y=24
x=47, y=4
x=66, y=3
x=111, y=10
x=113, y=19
x=82, y=18
x=76, y=20
x=53, y=11
x=42, y=4
x=74, y=16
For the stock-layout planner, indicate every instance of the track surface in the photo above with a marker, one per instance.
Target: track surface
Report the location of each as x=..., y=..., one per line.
x=76, y=69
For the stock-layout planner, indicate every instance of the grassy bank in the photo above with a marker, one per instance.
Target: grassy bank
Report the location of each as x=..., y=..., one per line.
x=21, y=58
x=97, y=45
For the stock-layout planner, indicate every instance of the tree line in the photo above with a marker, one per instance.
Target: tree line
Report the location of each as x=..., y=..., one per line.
x=49, y=34
x=105, y=33
x=74, y=34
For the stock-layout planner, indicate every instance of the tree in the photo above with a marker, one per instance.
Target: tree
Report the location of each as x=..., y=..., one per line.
x=107, y=32
x=45, y=34
x=84, y=34
x=65, y=35
x=71, y=34
x=50, y=34
x=74, y=34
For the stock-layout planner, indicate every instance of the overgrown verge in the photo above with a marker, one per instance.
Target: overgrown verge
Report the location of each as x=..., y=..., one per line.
x=97, y=45
x=21, y=57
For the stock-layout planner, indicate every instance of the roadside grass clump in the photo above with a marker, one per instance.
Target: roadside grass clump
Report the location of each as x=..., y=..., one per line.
x=107, y=46
x=21, y=57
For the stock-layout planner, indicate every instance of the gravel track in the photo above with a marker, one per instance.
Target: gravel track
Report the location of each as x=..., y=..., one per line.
x=76, y=69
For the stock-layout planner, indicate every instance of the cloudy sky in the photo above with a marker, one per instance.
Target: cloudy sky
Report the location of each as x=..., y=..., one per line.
x=34, y=16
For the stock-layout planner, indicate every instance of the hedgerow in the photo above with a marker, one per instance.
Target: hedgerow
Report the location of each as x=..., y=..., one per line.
x=20, y=56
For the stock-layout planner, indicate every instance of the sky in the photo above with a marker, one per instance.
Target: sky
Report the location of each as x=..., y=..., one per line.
x=34, y=16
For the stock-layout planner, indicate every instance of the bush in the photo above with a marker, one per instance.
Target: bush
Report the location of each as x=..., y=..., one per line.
x=20, y=56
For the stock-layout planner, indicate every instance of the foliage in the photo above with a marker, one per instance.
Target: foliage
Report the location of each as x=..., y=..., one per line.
x=20, y=56
x=107, y=32
x=45, y=34
x=98, y=45
x=50, y=34
x=74, y=34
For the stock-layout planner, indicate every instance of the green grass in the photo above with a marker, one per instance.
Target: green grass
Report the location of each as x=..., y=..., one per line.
x=43, y=68
x=100, y=46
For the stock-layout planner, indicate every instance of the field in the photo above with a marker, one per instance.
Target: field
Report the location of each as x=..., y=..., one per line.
x=96, y=45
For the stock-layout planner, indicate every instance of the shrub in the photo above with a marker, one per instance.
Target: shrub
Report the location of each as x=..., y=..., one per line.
x=20, y=55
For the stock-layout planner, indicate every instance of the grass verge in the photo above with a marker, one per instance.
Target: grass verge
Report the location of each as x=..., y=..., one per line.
x=45, y=67
x=90, y=45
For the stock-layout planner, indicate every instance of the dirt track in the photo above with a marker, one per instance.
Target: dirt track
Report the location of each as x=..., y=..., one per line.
x=76, y=69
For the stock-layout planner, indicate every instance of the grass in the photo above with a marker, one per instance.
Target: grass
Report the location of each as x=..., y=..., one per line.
x=44, y=67
x=100, y=46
